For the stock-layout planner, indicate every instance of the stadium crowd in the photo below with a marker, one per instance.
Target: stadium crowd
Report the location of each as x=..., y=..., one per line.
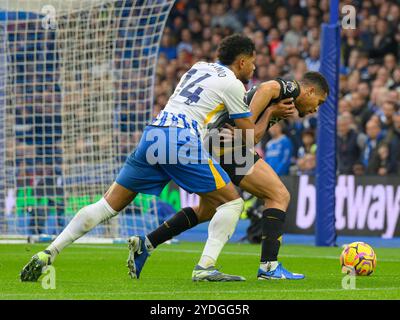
x=287, y=38
x=45, y=93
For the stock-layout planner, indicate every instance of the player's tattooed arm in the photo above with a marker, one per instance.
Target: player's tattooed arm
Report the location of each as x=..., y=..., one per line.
x=266, y=92
x=280, y=110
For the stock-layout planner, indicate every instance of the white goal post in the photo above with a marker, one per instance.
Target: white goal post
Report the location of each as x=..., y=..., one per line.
x=76, y=90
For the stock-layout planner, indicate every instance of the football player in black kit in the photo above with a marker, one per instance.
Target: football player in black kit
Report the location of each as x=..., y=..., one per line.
x=270, y=102
x=260, y=179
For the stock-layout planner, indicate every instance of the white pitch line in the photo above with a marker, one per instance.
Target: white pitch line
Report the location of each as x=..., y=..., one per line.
x=238, y=253
x=205, y=292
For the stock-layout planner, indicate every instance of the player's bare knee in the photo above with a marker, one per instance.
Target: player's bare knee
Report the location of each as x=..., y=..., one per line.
x=228, y=193
x=284, y=196
x=280, y=196
x=206, y=210
x=219, y=197
x=204, y=215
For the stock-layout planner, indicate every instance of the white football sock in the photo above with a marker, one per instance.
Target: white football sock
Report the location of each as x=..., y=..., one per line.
x=85, y=220
x=206, y=261
x=269, y=266
x=220, y=229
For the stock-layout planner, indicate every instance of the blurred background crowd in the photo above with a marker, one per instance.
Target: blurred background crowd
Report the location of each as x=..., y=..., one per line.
x=287, y=38
x=77, y=100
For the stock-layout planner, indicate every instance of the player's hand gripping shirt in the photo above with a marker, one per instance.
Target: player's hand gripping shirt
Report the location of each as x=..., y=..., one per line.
x=203, y=95
x=288, y=89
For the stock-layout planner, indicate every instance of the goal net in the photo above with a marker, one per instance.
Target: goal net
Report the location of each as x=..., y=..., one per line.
x=76, y=90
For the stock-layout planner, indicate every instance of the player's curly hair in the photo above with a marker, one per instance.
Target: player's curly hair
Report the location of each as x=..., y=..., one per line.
x=233, y=46
x=317, y=79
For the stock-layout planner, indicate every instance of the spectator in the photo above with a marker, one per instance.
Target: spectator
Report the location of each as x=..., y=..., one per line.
x=395, y=144
x=274, y=41
x=306, y=154
x=304, y=47
x=270, y=7
x=396, y=80
x=313, y=34
x=374, y=139
x=350, y=47
x=348, y=149
x=263, y=74
x=394, y=16
x=292, y=38
x=351, y=61
x=384, y=41
x=359, y=110
x=364, y=90
x=379, y=163
x=362, y=66
x=185, y=43
x=386, y=115
x=225, y=19
x=273, y=71
x=366, y=36
x=196, y=30
x=265, y=25
x=389, y=62
x=344, y=106
x=383, y=76
x=167, y=47
x=283, y=26
x=279, y=150
x=238, y=11
x=313, y=62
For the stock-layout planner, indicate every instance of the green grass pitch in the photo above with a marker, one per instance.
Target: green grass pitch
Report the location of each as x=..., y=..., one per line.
x=99, y=272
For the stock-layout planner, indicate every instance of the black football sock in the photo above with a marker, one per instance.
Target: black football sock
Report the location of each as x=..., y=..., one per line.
x=181, y=221
x=272, y=230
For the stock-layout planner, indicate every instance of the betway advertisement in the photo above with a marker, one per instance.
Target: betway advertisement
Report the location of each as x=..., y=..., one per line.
x=365, y=205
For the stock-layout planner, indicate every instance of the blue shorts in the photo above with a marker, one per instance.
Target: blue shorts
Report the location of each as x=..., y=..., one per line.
x=166, y=153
